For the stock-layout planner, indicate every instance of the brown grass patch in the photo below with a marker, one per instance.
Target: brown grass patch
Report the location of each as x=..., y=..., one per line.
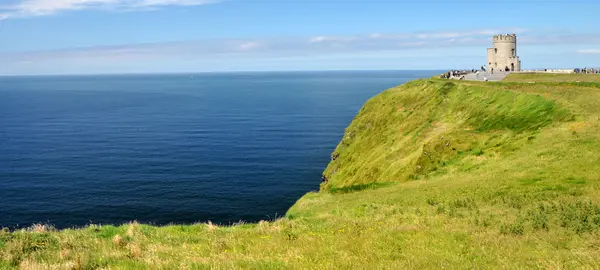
x=135, y=251
x=40, y=228
x=118, y=240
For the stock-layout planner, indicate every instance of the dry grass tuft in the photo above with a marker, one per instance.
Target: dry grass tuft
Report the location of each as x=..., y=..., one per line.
x=118, y=240
x=131, y=228
x=41, y=228
x=135, y=251
x=65, y=254
x=30, y=265
x=263, y=225
x=211, y=226
x=240, y=223
x=81, y=262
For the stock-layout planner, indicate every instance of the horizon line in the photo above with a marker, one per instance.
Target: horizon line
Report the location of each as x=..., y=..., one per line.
x=239, y=72
x=214, y=72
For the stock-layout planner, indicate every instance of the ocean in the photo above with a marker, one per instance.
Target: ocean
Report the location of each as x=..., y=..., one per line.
x=172, y=149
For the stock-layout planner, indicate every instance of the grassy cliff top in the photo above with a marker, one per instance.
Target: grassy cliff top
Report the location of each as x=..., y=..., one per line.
x=430, y=174
x=557, y=77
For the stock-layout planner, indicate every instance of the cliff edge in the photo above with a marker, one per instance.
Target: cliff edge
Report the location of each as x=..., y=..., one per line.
x=427, y=127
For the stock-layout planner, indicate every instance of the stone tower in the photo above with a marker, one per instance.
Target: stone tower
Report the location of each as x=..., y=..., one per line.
x=503, y=55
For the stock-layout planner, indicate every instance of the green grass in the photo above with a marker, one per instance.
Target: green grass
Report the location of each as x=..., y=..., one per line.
x=430, y=174
x=543, y=77
x=423, y=126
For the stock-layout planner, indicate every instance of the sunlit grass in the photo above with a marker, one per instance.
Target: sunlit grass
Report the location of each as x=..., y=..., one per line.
x=549, y=77
x=430, y=174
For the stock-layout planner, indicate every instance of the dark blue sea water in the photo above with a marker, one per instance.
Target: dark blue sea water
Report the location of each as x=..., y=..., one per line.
x=163, y=149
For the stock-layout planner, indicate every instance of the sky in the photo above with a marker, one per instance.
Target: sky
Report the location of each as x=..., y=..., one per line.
x=172, y=36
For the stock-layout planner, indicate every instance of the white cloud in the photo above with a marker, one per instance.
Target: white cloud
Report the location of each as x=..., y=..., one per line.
x=381, y=41
x=420, y=38
x=412, y=44
x=29, y=8
x=246, y=46
x=321, y=39
x=594, y=51
x=450, y=34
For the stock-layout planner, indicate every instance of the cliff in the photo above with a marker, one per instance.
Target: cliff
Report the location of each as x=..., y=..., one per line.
x=424, y=128
x=430, y=174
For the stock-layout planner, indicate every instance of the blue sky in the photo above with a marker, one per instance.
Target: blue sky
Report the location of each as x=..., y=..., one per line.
x=147, y=36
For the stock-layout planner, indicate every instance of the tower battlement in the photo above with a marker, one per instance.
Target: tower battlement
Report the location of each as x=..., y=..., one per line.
x=505, y=38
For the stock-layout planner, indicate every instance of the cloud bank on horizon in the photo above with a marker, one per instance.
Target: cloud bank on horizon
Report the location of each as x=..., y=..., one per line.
x=301, y=46
x=31, y=8
x=421, y=50
x=369, y=50
x=272, y=47
x=589, y=51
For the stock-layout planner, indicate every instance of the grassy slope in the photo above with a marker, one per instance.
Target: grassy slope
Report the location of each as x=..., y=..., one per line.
x=471, y=175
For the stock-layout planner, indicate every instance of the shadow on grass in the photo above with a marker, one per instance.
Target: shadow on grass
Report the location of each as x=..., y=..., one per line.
x=356, y=188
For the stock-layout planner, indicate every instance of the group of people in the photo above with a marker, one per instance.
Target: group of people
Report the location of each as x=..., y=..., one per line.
x=460, y=74
x=453, y=74
x=587, y=70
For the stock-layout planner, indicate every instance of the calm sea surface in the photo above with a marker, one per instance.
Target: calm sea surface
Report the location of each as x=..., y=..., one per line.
x=171, y=148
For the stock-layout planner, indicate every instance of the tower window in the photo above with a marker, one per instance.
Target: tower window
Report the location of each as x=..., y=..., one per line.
x=496, y=50
x=513, y=52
